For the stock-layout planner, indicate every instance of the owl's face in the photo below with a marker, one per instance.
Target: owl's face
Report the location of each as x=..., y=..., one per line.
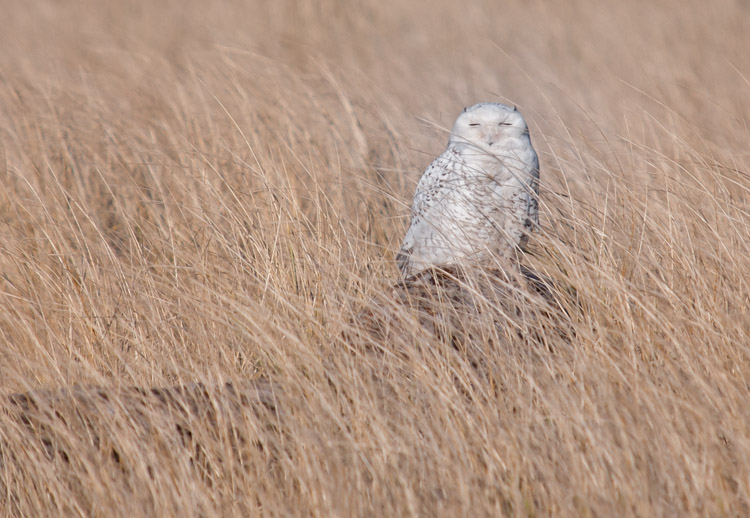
x=491, y=127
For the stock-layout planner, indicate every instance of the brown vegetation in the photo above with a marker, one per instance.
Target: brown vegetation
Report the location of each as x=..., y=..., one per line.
x=208, y=197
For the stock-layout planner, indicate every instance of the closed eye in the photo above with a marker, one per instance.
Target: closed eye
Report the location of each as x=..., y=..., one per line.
x=474, y=124
x=504, y=124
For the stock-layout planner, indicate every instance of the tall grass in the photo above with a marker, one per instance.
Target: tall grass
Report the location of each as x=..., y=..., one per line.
x=212, y=195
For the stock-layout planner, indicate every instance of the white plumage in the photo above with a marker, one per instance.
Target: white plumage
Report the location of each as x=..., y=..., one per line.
x=478, y=200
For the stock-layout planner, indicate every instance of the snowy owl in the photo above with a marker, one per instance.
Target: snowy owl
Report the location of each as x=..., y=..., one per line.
x=478, y=200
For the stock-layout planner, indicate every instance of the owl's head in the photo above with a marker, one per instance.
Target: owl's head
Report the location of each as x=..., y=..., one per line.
x=489, y=127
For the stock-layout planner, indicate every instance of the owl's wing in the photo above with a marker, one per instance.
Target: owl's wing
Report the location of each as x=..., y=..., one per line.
x=533, y=210
x=437, y=180
x=520, y=200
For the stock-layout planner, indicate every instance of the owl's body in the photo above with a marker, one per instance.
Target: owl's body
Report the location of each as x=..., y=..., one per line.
x=477, y=201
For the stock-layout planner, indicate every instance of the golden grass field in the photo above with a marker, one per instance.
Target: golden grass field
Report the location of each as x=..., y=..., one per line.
x=213, y=192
